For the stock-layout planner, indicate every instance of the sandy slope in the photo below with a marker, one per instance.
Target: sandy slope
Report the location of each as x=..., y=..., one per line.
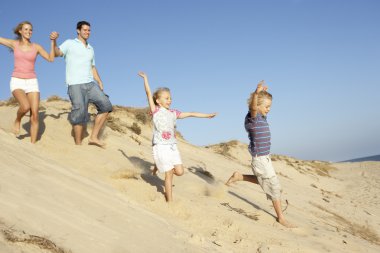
x=87, y=199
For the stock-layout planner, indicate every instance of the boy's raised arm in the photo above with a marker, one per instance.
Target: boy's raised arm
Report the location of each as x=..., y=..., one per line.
x=152, y=106
x=253, y=105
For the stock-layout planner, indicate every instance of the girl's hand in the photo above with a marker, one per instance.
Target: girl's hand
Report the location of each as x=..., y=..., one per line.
x=142, y=74
x=261, y=87
x=211, y=115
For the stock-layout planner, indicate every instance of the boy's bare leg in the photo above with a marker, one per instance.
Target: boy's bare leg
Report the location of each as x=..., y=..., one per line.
x=78, y=131
x=168, y=185
x=280, y=216
x=98, y=124
x=236, y=176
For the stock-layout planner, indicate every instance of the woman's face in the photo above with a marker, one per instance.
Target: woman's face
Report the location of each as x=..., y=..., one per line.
x=26, y=31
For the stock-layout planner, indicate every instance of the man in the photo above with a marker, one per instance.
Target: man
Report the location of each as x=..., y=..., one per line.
x=81, y=75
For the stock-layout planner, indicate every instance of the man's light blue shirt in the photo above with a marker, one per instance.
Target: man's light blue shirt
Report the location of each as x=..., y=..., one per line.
x=79, y=61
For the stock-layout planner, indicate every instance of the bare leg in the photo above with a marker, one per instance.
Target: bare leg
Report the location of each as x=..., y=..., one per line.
x=168, y=185
x=34, y=101
x=78, y=131
x=236, y=176
x=155, y=169
x=99, y=122
x=178, y=171
x=280, y=216
x=24, y=107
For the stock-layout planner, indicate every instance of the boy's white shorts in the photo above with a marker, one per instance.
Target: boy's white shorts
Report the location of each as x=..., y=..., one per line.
x=263, y=169
x=166, y=156
x=27, y=85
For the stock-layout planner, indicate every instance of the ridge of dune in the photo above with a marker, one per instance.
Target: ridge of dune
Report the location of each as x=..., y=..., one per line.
x=87, y=199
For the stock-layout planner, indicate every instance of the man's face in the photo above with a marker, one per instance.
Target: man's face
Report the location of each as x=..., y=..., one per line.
x=84, y=32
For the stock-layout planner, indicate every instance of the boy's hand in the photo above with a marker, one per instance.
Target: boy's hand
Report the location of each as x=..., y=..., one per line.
x=261, y=87
x=142, y=74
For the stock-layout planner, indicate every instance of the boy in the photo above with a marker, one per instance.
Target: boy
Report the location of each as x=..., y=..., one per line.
x=258, y=130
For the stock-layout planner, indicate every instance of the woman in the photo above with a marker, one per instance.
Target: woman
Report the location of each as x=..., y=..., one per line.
x=24, y=84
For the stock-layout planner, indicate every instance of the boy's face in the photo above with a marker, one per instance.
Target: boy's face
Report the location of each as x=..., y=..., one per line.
x=164, y=99
x=264, y=108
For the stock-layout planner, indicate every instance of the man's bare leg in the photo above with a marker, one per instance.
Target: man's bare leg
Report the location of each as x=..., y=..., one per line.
x=78, y=132
x=100, y=119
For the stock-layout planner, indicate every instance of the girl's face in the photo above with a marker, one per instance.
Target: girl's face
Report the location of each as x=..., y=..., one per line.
x=26, y=31
x=264, y=108
x=164, y=99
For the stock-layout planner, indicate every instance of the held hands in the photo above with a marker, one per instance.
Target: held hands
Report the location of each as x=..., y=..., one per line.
x=261, y=87
x=54, y=35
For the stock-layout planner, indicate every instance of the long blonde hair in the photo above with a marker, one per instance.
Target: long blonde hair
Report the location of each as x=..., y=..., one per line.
x=17, y=29
x=158, y=92
x=260, y=98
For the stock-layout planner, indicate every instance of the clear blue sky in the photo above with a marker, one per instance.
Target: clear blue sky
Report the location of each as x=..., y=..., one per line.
x=320, y=58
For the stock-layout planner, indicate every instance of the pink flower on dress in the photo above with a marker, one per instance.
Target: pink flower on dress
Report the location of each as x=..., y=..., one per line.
x=166, y=135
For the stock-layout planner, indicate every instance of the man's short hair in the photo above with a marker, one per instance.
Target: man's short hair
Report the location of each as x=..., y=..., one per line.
x=82, y=23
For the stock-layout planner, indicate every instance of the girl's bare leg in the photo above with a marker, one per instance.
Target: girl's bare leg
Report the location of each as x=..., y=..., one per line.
x=168, y=185
x=24, y=107
x=34, y=101
x=178, y=171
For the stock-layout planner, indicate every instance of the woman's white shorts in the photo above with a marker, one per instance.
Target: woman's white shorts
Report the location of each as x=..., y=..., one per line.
x=27, y=85
x=166, y=156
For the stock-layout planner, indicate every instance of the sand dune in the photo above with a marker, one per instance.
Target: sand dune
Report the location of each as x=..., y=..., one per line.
x=58, y=197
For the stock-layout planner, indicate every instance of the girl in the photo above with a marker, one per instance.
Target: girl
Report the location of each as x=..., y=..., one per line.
x=24, y=84
x=165, y=151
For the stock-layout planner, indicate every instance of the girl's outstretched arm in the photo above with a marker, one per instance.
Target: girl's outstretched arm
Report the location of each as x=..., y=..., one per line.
x=196, y=115
x=152, y=106
x=7, y=42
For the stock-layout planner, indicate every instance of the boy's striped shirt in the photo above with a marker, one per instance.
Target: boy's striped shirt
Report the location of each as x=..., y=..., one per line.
x=259, y=134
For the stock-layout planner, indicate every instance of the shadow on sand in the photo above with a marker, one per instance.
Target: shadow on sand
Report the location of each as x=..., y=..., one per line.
x=202, y=173
x=252, y=204
x=147, y=176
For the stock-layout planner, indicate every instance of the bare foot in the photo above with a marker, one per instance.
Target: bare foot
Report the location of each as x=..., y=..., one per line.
x=16, y=127
x=286, y=224
x=154, y=171
x=97, y=143
x=236, y=176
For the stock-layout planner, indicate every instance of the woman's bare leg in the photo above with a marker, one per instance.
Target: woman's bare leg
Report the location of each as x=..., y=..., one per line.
x=24, y=107
x=34, y=102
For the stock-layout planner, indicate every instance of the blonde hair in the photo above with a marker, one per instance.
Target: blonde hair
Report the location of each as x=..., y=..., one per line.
x=260, y=98
x=17, y=29
x=158, y=93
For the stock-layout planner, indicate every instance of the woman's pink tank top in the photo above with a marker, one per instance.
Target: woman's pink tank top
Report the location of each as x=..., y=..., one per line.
x=24, y=62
